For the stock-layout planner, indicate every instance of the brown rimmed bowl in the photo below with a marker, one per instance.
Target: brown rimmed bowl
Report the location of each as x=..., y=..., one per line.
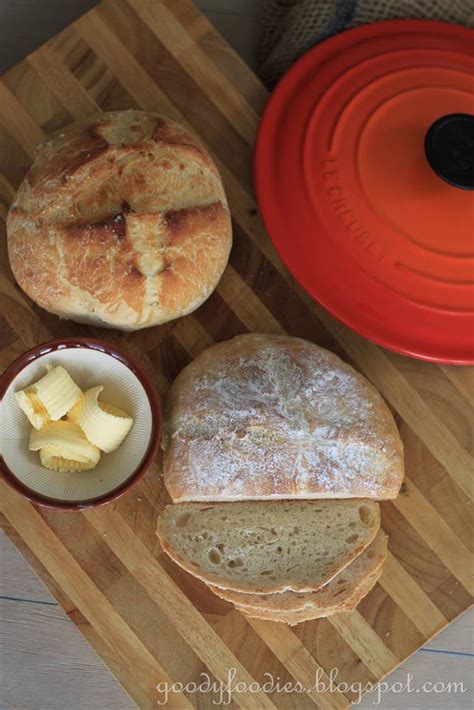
x=90, y=363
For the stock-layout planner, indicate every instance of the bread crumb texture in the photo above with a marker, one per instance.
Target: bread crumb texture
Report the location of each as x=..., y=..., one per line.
x=342, y=593
x=266, y=546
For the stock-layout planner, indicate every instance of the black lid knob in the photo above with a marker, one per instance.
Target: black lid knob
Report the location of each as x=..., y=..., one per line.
x=449, y=149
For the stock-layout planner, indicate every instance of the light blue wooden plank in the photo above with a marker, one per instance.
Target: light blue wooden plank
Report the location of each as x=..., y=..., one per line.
x=47, y=665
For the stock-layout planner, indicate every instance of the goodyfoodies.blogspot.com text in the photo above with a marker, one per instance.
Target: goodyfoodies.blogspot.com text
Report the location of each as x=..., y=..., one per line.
x=222, y=692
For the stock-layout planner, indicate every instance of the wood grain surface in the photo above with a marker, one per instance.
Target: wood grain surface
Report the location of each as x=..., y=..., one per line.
x=149, y=621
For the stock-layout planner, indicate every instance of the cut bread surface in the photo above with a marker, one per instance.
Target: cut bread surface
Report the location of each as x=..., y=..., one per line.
x=311, y=612
x=266, y=546
x=342, y=593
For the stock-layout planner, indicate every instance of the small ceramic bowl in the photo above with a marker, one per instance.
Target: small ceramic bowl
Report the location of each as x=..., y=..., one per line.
x=90, y=363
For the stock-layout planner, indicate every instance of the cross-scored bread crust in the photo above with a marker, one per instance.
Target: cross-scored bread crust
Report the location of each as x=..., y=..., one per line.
x=122, y=221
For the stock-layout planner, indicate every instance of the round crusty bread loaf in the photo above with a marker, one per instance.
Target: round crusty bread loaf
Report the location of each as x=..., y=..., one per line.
x=122, y=221
x=266, y=417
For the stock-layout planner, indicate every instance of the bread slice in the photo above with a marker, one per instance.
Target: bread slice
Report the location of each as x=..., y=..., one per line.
x=342, y=593
x=291, y=619
x=307, y=614
x=268, y=546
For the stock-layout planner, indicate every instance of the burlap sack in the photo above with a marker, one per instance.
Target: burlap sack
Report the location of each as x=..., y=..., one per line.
x=291, y=27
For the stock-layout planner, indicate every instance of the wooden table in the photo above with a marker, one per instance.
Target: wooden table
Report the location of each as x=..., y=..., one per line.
x=150, y=622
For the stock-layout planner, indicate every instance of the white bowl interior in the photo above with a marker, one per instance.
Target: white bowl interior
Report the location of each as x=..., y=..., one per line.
x=121, y=387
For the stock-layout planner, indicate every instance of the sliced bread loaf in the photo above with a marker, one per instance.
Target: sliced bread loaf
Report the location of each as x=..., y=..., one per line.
x=343, y=592
x=290, y=618
x=312, y=612
x=268, y=546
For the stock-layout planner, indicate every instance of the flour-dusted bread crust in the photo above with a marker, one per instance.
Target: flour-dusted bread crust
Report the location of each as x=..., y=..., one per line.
x=267, y=417
x=268, y=546
x=122, y=221
x=342, y=593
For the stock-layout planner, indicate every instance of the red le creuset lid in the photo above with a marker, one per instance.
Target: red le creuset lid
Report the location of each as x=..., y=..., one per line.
x=359, y=204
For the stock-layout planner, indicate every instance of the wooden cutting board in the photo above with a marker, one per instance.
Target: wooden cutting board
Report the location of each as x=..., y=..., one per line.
x=151, y=622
